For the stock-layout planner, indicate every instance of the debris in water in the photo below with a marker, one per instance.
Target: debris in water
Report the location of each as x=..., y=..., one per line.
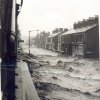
x=54, y=77
x=70, y=69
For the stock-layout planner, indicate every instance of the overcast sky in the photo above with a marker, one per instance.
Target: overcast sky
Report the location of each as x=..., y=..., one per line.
x=50, y=14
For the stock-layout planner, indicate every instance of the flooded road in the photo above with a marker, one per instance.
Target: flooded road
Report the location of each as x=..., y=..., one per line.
x=65, y=78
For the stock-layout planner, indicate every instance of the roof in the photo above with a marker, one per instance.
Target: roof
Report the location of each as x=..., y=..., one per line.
x=79, y=30
x=55, y=34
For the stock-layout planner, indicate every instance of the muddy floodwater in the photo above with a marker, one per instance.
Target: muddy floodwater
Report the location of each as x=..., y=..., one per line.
x=60, y=77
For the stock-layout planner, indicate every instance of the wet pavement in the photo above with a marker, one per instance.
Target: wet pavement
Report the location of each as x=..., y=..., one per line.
x=28, y=91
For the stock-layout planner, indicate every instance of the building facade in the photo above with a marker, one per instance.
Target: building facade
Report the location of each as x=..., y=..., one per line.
x=40, y=39
x=49, y=43
x=8, y=39
x=52, y=42
x=65, y=44
x=82, y=40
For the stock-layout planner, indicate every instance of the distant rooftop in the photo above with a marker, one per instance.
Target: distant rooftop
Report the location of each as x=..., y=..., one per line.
x=55, y=34
x=78, y=30
x=86, y=22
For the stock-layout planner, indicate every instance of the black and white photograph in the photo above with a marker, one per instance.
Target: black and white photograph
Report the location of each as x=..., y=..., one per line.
x=50, y=49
